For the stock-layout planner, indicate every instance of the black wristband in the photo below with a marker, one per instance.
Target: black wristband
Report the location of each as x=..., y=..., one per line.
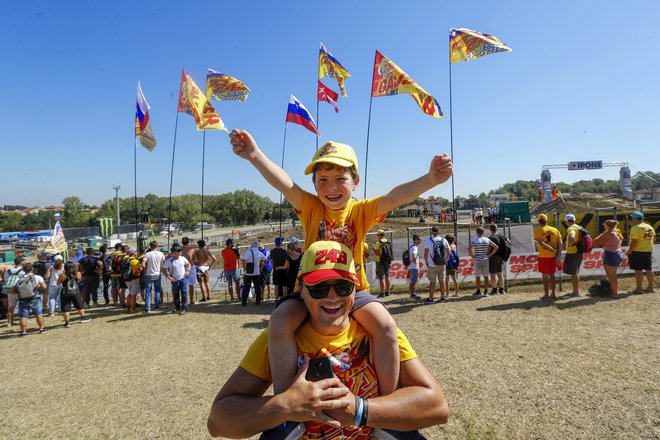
x=365, y=412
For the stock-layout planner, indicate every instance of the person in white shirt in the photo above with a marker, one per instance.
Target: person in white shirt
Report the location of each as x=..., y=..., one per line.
x=436, y=252
x=413, y=267
x=481, y=249
x=176, y=269
x=152, y=264
x=253, y=261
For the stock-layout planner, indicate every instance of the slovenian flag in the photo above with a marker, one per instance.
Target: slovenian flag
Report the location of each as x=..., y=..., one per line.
x=298, y=114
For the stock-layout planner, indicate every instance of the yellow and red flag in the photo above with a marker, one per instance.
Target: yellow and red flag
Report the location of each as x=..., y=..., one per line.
x=466, y=45
x=193, y=102
x=224, y=87
x=329, y=66
x=389, y=80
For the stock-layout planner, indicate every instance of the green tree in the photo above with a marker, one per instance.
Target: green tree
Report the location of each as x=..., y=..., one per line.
x=10, y=221
x=73, y=214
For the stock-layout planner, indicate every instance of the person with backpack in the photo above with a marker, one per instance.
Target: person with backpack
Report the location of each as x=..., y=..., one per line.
x=28, y=289
x=481, y=249
x=452, y=264
x=54, y=289
x=90, y=267
x=410, y=259
x=574, y=254
x=11, y=277
x=496, y=260
x=42, y=267
x=132, y=275
x=436, y=252
x=383, y=253
x=106, y=258
x=118, y=284
x=69, y=280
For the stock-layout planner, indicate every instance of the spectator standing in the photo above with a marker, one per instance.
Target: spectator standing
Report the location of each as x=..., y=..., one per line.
x=279, y=263
x=230, y=265
x=253, y=262
x=573, y=259
x=177, y=268
x=481, y=249
x=295, y=241
x=134, y=282
x=549, y=246
x=91, y=269
x=640, y=252
x=383, y=261
x=452, y=264
x=293, y=265
x=11, y=278
x=188, y=252
x=69, y=281
x=436, y=252
x=34, y=283
x=118, y=283
x=151, y=267
x=496, y=260
x=106, y=258
x=54, y=289
x=413, y=267
x=205, y=260
x=42, y=268
x=266, y=271
x=610, y=240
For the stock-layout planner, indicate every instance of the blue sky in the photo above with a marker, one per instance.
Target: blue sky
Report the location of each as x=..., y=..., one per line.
x=580, y=84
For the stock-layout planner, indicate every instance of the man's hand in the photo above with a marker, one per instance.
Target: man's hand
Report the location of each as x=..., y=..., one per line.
x=441, y=169
x=345, y=415
x=243, y=144
x=307, y=401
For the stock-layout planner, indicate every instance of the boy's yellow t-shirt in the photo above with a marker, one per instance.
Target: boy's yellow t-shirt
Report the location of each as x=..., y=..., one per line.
x=348, y=226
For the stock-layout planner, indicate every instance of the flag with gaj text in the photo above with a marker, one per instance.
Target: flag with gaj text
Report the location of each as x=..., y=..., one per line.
x=142, y=125
x=329, y=66
x=389, y=80
x=193, y=102
x=223, y=87
x=466, y=45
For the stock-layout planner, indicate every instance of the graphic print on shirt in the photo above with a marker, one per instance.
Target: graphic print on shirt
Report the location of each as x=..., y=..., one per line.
x=344, y=234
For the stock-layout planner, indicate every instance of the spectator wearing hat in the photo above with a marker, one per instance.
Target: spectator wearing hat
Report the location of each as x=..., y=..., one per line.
x=382, y=264
x=573, y=259
x=266, y=271
x=11, y=277
x=134, y=283
x=176, y=269
x=253, y=261
x=295, y=241
x=280, y=267
x=549, y=244
x=55, y=289
x=292, y=265
x=640, y=252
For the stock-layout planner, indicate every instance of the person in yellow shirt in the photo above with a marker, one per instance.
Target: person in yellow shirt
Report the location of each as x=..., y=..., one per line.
x=640, y=252
x=345, y=400
x=573, y=258
x=549, y=244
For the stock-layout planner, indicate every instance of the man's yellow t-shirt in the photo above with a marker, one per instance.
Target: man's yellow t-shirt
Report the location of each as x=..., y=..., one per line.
x=645, y=235
x=574, y=233
x=377, y=246
x=549, y=235
x=348, y=226
x=351, y=356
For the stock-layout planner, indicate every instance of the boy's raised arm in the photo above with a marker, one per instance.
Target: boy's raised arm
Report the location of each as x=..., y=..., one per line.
x=440, y=171
x=245, y=147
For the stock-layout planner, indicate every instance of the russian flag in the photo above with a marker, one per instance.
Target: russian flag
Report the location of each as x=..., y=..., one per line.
x=298, y=114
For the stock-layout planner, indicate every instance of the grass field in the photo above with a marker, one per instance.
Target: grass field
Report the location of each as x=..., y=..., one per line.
x=512, y=367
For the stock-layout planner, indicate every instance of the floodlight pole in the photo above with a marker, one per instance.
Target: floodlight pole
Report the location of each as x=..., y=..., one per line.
x=117, y=188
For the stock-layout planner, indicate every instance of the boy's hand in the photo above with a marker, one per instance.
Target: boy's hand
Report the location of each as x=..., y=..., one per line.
x=243, y=144
x=441, y=169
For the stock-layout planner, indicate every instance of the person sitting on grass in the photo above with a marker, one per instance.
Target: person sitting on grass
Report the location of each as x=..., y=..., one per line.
x=69, y=280
x=332, y=214
x=342, y=400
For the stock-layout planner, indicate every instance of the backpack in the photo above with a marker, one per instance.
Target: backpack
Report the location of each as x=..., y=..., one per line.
x=504, y=248
x=386, y=255
x=405, y=257
x=107, y=265
x=584, y=242
x=439, y=257
x=601, y=288
x=70, y=287
x=11, y=280
x=125, y=269
x=27, y=287
x=453, y=261
x=116, y=264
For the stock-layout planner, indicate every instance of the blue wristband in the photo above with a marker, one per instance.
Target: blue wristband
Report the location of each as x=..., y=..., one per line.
x=358, y=411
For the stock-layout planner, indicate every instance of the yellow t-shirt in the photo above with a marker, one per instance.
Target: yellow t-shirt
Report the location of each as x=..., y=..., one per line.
x=352, y=361
x=574, y=233
x=136, y=269
x=645, y=235
x=551, y=236
x=377, y=249
x=348, y=226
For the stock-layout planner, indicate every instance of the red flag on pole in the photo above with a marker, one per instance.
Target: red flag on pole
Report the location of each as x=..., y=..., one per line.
x=326, y=94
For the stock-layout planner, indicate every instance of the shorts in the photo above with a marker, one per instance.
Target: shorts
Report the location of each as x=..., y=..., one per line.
x=495, y=263
x=232, y=275
x=265, y=277
x=13, y=300
x=25, y=306
x=547, y=265
x=382, y=270
x=572, y=263
x=640, y=260
x=118, y=283
x=481, y=268
x=134, y=287
x=436, y=272
x=203, y=276
x=612, y=258
x=280, y=277
x=449, y=271
x=414, y=275
x=192, y=276
x=66, y=301
x=362, y=298
x=90, y=284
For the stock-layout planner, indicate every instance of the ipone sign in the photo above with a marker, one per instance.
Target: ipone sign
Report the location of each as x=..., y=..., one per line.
x=586, y=165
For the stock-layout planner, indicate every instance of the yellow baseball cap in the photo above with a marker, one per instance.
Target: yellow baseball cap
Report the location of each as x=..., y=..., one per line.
x=335, y=153
x=323, y=260
x=543, y=217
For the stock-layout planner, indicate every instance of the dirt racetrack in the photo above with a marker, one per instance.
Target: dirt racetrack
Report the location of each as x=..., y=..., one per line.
x=512, y=367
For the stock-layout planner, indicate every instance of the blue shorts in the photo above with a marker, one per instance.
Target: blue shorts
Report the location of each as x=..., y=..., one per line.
x=612, y=258
x=414, y=275
x=25, y=306
x=232, y=275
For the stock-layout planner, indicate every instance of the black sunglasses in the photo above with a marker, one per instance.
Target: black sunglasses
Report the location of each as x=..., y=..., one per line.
x=321, y=290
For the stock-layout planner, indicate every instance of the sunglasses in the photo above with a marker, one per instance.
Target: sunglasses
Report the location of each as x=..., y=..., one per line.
x=321, y=290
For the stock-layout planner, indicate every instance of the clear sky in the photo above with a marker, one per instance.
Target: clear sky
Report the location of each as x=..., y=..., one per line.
x=580, y=84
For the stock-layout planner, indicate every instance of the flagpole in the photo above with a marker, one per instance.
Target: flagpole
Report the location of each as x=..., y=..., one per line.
x=169, y=208
x=317, y=115
x=137, y=240
x=283, y=147
x=451, y=151
x=371, y=98
x=203, y=156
